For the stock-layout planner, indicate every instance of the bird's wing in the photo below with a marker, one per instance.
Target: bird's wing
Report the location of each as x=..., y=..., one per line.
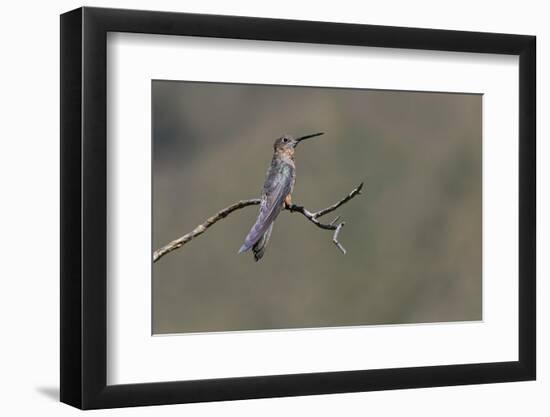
x=272, y=202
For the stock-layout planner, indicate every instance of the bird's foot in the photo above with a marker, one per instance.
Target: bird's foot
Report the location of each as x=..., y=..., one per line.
x=292, y=207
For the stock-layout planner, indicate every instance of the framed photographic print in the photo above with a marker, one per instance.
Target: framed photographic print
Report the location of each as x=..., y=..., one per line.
x=258, y=207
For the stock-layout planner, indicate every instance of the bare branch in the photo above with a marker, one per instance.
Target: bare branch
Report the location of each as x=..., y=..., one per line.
x=312, y=217
x=335, y=237
x=201, y=228
x=347, y=198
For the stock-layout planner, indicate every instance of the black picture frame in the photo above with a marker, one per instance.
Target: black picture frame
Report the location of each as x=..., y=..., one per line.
x=84, y=207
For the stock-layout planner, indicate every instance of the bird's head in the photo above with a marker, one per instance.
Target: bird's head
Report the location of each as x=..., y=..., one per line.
x=287, y=143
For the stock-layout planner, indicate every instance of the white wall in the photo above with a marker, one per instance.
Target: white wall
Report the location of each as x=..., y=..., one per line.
x=29, y=100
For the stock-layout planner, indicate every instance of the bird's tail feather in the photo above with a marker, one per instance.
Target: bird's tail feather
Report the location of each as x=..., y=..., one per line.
x=261, y=245
x=255, y=234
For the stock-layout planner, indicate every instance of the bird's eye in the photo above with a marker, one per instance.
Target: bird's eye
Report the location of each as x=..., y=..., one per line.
x=285, y=140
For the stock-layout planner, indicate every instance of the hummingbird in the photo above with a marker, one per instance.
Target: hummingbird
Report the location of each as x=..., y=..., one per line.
x=276, y=193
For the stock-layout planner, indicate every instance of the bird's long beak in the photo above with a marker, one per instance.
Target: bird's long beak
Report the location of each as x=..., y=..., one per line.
x=309, y=136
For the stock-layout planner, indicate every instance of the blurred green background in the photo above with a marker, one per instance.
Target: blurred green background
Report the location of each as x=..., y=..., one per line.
x=413, y=237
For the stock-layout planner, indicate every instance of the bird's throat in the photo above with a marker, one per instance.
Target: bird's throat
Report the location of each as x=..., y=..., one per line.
x=286, y=154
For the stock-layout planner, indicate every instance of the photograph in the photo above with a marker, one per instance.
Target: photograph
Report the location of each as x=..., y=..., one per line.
x=303, y=207
x=256, y=205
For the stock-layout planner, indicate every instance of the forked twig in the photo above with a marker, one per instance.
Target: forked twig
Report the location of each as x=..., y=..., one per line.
x=312, y=217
